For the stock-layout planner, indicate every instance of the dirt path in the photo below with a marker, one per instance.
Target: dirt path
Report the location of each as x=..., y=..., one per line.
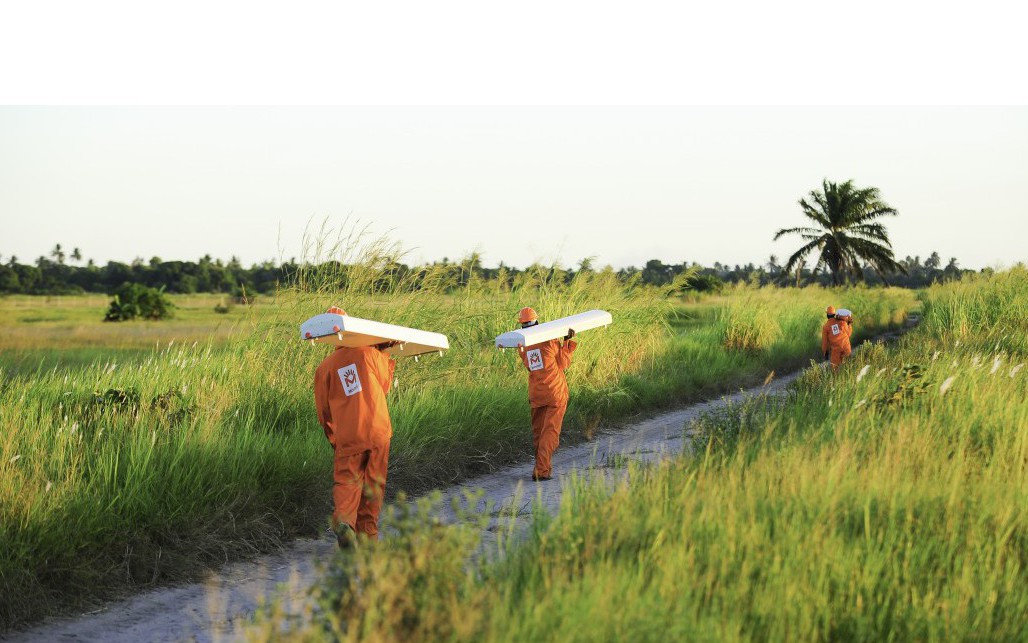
x=214, y=610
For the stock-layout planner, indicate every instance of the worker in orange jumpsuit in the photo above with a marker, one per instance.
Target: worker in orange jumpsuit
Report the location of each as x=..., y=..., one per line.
x=547, y=392
x=350, y=388
x=835, y=338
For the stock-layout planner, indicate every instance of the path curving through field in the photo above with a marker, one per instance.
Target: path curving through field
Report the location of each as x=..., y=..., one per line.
x=214, y=610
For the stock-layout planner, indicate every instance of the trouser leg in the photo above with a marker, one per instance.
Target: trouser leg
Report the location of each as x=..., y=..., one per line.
x=373, y=493
x=546, y=426
x=838, y=355
x=347, y=488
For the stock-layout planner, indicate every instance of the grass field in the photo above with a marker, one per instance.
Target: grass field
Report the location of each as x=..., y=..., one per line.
x=887, y=503
x=67, y=332
x=123, y=465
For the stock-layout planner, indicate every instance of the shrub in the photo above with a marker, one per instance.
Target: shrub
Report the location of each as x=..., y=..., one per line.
x=132, y=301
x=705, y=283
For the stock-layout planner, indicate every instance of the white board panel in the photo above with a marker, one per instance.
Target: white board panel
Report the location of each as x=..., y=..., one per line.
x=352, y=332
x=554, y=329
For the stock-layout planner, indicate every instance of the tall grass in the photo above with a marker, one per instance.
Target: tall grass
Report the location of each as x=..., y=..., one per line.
x=116, y=475
x=887, y=502
x=127, y=473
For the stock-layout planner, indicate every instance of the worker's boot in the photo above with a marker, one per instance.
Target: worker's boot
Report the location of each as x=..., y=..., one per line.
x=536, y=478
x=346, y=537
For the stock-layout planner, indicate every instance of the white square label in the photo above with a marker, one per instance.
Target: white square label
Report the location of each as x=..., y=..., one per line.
x=835, y=329
x=535, y=359
x=351, y=382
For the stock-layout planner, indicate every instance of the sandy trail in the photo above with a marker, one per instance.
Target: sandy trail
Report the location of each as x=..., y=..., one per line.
x=214, y=610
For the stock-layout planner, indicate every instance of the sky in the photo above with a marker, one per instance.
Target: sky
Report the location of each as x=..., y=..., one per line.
x=518, y=184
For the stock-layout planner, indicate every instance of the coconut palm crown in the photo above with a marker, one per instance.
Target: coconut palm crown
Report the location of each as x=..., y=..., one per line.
x=848, y=233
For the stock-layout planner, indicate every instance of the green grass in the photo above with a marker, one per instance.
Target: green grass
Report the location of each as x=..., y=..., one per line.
x=123, y=466
x=41, y=333
x=886, y=503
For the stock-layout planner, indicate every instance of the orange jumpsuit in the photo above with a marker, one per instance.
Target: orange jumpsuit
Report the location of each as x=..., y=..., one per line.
x=548, y=396
x=350, y=389
x=835, y=340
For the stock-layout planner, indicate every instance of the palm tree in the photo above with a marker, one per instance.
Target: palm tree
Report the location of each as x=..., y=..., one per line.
x=847, y=232
x=58, y=254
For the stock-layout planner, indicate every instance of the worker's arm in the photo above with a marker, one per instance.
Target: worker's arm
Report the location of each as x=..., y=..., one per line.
x=390, y=373
x=564, y=354
x=324, y=410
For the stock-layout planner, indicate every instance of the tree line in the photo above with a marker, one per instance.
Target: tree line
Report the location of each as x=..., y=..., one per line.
x=64, y=273
x=843, y=232
x=914, y=273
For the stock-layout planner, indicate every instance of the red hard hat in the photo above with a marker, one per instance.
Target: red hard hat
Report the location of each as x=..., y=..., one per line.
x=336, y=310
x=527, y=315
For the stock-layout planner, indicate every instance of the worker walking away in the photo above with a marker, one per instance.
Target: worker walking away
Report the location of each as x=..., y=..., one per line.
x=547, y=392
x=350, y=388
x=835, y=338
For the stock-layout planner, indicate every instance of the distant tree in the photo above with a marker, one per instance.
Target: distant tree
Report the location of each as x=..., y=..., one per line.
x=29, y=277
x=47, y=276
x=657, y=273
x=933, y=262
x=187, y=284
x=952, y=269
x=847, y=231
x=132, y=301
x=705, y=283
x=9, y=282
x=801, y=265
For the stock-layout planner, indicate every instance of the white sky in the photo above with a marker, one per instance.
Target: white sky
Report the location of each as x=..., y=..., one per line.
x=518, y=184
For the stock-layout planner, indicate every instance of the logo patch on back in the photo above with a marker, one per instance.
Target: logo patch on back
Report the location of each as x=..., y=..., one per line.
x=351, y=382
x=535, y=359
x=835, y=329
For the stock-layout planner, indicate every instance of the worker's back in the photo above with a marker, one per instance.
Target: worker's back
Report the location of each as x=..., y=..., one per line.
x=350, y=388
x=546, y=363
x=835, y=333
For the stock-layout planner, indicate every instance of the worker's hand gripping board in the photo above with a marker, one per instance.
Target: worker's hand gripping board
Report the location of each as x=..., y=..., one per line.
x=554, y=329
x=344, y=330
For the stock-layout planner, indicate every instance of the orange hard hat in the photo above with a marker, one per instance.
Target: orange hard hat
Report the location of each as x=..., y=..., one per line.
x=336, y=310
x=527, y=315
x=830, y=310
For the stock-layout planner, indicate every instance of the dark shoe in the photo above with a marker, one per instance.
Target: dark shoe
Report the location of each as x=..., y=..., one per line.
x=536, y=478
x=346, y=537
